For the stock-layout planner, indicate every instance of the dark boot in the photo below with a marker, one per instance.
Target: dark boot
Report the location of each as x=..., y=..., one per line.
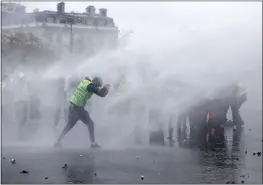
x=95, y=145
x=57, y=145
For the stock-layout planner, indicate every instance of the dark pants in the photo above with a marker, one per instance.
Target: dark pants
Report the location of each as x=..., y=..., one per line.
x=181, y=126
x=75, y=114
x=34, y=107
x=235, y=106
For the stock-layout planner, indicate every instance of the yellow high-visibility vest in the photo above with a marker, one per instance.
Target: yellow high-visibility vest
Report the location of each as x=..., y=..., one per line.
x=240, y=90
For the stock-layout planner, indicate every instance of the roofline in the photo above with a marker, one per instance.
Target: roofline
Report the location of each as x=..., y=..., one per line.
x=14, y=3
x=115, y=28
x=71, y=14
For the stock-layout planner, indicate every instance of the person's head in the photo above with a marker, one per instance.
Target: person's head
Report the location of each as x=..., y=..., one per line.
x=97, y=81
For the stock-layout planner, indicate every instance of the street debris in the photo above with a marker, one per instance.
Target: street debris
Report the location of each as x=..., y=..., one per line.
x=142, y=177
x=24, y=171
x=242, y=182
x=254, y=153
x=95, y=174
x=46, y=177
x=13, y=161
x=65, y=166
x=259, y=153
x=137, y=157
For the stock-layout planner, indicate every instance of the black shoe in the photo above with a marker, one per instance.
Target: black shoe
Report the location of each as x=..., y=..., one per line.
x=95, y=145
x=57, y=145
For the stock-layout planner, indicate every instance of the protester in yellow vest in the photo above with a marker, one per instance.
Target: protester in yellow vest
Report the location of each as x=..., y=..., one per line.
x=78, y=101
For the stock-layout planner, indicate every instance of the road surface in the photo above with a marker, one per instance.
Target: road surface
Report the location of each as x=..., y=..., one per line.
x=143, y=164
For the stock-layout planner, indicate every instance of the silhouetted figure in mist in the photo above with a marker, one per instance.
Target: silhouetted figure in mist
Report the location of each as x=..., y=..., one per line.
x=61, y=99
x=7, y=99
x=156, y=136
x=170, y=134
x=181, y=129
x=34, y=102
x=207, y=119
x=232, y=96
x=236, y=139
x=21, y=102
x=239, y=97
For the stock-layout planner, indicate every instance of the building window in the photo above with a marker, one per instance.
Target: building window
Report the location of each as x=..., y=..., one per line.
x=89, y=22
x=50, y=20
x=79, y=21
x=101, y=22
x=71, y=20
x=40, y=18
x=63, y=21
x=95, y=22
x=110, y=23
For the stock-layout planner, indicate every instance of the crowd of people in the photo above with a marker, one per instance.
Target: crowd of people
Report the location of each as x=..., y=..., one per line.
x=21, y=101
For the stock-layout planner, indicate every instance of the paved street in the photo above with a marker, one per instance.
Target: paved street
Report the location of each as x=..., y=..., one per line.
x=155, y=164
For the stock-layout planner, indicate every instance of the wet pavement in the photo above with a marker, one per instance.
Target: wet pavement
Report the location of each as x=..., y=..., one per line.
x=232, y=163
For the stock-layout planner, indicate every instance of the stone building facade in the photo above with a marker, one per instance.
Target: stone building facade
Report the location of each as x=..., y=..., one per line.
x=82, y=32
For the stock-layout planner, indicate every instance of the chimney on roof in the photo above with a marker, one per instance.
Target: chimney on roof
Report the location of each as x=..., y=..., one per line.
x=90, y=10
x=103, y=12
x=61, y=7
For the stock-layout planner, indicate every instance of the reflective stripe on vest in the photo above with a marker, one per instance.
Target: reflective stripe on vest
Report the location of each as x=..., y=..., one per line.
x=240, y=91
x=81, y=95
x=207, y=116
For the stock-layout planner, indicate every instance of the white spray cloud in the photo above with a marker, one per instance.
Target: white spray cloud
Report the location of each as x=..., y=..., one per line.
x=172, y=69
